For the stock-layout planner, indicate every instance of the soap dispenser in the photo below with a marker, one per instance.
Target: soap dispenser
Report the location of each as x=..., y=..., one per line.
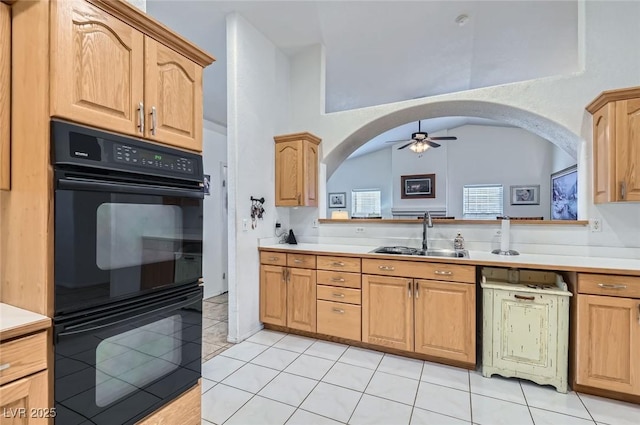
x=458, y=242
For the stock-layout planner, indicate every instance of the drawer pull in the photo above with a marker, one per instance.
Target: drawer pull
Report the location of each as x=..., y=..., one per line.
x=389, y=268
x=520, y=297
x=611, y=286
x=273, y=258
x=338, y=264
x=443, y=273
x=337, y=279
x=298, y=261
x=338, y=310
x=337, y=295
x=5, y=366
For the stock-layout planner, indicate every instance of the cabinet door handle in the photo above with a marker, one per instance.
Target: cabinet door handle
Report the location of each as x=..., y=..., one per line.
x=338, y=310
x=337, y=295
x=443, y=273
x=141, y=117
x=284, y=275
x=298, y=199
x=337, y=279
x=520, y=297
x=409, y=288
x=388, y=268
x=338, y=264
x=638, y=316
x=623, y=189
x=5, y=366
x=417, y=290
x=273, y=258
x=611, y=286
x=154, y=120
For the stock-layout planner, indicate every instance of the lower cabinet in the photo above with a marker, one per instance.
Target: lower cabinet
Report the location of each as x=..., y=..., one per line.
x=387, y=311
x=425, y=316
x=288, y=297
x=608, y=343
x=25, y=402
x=445, y=320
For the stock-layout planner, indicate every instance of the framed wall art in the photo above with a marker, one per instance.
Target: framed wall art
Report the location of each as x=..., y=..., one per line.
x=418, y=186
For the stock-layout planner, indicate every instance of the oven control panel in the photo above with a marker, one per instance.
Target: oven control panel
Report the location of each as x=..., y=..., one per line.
x=150, y=159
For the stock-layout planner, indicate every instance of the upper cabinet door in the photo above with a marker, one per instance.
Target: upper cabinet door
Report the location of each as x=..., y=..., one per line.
x=173, y=97
x=96, y=68
x=310, y=184
x=628, y=149
x=604, y=186
x=289, y=171
x=5, y=94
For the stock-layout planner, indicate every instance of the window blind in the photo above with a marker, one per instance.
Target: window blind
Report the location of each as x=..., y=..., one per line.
x=365, y=203
x=482, y=201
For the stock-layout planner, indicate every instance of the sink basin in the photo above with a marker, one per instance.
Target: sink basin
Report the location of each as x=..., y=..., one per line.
x=405, y=250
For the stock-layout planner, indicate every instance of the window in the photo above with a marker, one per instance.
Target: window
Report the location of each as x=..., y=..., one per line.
x=365, y=203
x=482, y=201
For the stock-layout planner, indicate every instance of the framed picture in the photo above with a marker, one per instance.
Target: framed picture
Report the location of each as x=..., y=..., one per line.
x=564, y=194
x=525, y=195
x=338, y=200
x=418, y=186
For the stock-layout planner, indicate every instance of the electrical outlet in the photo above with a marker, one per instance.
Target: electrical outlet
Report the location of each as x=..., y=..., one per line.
x=315, y=223
x=595, y=224
x=359, y=229
x=245, y=224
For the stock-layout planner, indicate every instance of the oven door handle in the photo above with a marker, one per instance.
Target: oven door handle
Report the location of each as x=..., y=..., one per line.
x=76, y=183
x=106, y=322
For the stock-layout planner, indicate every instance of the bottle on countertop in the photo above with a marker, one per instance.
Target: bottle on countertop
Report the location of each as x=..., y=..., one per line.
x=458, y=242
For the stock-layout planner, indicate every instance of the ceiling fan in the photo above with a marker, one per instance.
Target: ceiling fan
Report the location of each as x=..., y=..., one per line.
x=420, y=141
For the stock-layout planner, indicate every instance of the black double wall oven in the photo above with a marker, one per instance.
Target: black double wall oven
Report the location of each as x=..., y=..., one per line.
x=128, y=259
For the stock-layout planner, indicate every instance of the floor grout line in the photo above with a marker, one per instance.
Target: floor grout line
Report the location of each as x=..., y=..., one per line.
x=415, y=399
x=366, y=386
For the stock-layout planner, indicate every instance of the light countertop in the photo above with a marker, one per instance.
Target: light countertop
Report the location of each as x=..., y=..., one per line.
x=16, y=321
x=557, y=262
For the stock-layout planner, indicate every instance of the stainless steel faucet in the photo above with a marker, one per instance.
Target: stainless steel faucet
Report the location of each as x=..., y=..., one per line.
x=426, y=222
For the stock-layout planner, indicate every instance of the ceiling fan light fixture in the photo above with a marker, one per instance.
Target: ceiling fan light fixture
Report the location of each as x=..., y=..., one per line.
x=419, y=147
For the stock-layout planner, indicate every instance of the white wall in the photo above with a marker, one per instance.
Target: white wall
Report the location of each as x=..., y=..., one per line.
x=214, y=233
x=258, y=108
x=370, y=171
x=552, y=108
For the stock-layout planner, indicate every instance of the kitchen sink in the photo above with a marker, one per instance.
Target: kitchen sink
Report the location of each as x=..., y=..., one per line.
x=405, y=250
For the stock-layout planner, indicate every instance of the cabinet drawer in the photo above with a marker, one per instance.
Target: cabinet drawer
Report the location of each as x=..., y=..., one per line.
x=22, y=357
x=613, y=285
x=345, y=280
x=273, y=258
x=340, y=264
x=339, y=319
x=337, y=294
x=301, y=261
x=419, y=269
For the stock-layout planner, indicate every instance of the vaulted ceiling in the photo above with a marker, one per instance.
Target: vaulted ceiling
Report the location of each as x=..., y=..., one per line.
x=386, y=51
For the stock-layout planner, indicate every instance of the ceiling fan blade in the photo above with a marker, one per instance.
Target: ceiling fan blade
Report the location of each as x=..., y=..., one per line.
x=432, y=144
x=404, y=146
x=444, y=138
x=398, y=141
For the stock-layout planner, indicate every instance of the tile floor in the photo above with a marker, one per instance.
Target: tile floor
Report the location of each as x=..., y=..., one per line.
x=215, y=326
x=275, y=378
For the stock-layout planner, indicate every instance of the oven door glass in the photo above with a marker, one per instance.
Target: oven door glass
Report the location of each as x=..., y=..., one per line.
x=119, y=368
x=115, y=245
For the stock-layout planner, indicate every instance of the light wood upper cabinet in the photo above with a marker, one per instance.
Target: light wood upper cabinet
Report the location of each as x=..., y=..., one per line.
x=608, y=343
x=5, y=96
x=616, y=145
x=301, y=299
x=387, y=311
x=445, y=320
x=173, y=97
x=110, y=75
x=97, y=66
x=273, y=295
x=297, y=170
